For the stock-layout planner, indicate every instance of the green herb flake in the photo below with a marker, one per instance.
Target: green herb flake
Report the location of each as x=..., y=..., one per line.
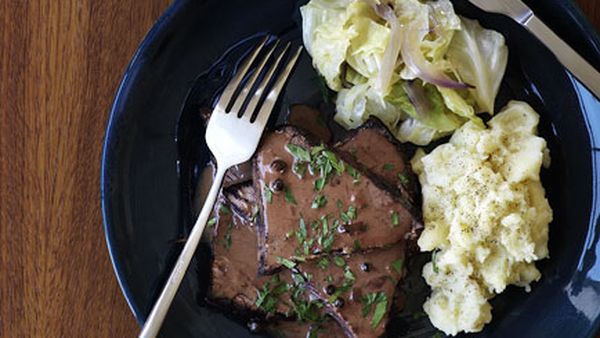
x=268, y=194
x=317, y=149
x=395, y=219
x=388, y=167
x=397, y=265
x=325, y=223
x=339, y=261
x=299, y=153
x=403, y=179
x=319, y=184
x=380, y=310
x=289, y=197
x=349, y=276
x=438, y=335
x=354, y=173
x=339, y=204
x=327, y=242
x=434, y=261
x=268, y=296
x=323, y=263
x=302, y=233
x=211, y=222
x=299, y=169
x=353, y=152
x=352, y=212
x=357, y=246
x=319, y=202
x=328, y=279
x=286, y=262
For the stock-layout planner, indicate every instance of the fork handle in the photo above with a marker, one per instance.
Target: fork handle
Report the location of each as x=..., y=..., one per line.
x=161, y=307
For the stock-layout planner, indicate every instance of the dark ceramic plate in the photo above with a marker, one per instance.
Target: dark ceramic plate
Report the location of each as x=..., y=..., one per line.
x=154, y=153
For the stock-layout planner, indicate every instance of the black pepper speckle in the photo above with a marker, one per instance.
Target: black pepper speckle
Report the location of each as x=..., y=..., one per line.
x=277, y=185
x=329, y=289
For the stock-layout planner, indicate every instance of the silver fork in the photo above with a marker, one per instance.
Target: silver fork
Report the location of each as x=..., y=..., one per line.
x=232, y=140
x=522, y=14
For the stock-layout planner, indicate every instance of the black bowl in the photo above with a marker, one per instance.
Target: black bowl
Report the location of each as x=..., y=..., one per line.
x=154, y=152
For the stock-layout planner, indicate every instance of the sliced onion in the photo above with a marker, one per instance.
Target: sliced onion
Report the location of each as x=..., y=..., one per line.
x=392, y=51
x=415, y=60
x=418, y=98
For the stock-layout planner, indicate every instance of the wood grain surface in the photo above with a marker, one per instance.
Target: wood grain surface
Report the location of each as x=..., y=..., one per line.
x=60, y=63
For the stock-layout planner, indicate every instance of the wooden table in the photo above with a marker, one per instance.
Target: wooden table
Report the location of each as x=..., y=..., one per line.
x=60, y=63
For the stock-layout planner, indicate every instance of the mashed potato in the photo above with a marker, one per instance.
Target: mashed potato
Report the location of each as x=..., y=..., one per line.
x=486, y=216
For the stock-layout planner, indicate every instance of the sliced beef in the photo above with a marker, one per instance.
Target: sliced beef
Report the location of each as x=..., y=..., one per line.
x=362, y=212
x=356, y=285
x=377, y=150
x=236, y=286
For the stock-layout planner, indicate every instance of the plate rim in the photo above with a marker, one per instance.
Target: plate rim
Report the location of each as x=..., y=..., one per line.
x=585, y=30
x=158, y=28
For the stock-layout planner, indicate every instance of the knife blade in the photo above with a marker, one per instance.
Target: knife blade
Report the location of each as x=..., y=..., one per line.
x=522, y=14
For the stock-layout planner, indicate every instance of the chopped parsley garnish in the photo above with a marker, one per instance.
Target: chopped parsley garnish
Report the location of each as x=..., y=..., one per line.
x=268, y=296
x=354, y=173
x=286, y=262
x=357, y=246
x=224, y=209
x=395, y=219
x=350, y=278
x=380, y=300
x=299, y=153
x=403, y=179
x=388, y=167
x=301, y=233
x=319, y=184
x=325, y=223
x=380, y=310
x=268, y=194
x=211, y=222
x=336, y=163
x=299, y=169
x=397, y=265
x=339, y=261
x=434, y=261
x=323, y=263
x=350, y=215
x=328, y=279
x=289, y=197
x=319, y=202
x=339, y=204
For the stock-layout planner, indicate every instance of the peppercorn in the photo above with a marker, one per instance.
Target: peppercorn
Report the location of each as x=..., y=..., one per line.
x=277, y=185
x=330, y=289
x=278, y=166
x=339, y=303
x=365, y=267
x=342, y=229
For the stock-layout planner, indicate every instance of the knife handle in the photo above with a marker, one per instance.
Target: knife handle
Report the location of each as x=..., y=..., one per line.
x=576, y=64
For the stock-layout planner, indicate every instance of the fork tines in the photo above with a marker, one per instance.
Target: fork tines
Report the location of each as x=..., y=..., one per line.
x=258, y=73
